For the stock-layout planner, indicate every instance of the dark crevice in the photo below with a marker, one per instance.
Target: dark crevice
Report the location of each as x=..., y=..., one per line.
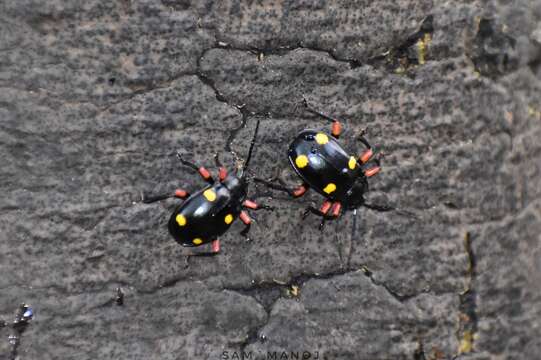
x=265, y=294
x=117, y=299
x=411, y=52
x=535, y=63
x=298, y=281
x=492, y=51
x=399, y=297
x=467, y=317
x=387, y=60
x=268, y=293
x=419, y=353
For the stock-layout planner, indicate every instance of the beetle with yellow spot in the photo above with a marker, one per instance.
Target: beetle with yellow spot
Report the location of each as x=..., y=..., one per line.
x=207, y=214
x=322, y=163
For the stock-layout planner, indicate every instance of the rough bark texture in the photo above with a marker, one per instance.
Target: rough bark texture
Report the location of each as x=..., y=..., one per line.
x=97, y=96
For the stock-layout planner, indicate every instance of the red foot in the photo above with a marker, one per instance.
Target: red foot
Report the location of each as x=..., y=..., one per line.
x=250, y=204
x=373, y=171
x=204, y=173
x=336, y=128
x=299, y=191
x=325, y=207
x=336, y=207
x=245, y=218
x=215, y=246
x=222, y=173
x=366, y=156
x=181, y=193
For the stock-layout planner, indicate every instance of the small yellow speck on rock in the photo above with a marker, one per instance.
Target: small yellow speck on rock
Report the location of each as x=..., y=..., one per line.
x=466, y=344
x=329, y=188
x=228, y=219
x=197, y=241
x=301, y=161
x=352, y=163
x=210, y=195
x=181, y=220
x=322, y=139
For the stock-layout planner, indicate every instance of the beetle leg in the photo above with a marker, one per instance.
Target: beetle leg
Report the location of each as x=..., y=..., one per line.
x=322, y=211
x=255, y=206
x=215, y=246
x=335, y=210
x=222, y=171
x=205, y=174
x=336, y=127
x=179, y=193
x=372, y=171
x=297, y=192
x=245, y=218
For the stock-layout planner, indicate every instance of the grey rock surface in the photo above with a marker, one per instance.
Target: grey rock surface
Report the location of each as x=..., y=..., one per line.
x=96, y=98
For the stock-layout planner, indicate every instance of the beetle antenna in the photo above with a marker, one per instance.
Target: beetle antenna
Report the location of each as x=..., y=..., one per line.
x=252, y=144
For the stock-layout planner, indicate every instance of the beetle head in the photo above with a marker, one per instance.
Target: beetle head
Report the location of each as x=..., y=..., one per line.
x=355, y=195
x=236, y=185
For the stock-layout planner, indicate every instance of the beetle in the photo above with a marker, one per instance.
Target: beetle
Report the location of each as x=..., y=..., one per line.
x=323, y=165
x=207, y=214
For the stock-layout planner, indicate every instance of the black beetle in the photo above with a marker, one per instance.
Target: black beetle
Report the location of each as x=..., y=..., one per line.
x=321, y=162
x=208, y=213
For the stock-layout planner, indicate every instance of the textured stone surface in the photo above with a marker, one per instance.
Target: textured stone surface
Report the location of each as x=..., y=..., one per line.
x=96, y=98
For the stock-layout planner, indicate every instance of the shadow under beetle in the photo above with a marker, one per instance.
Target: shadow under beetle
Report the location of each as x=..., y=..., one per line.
x=207, y=214
x=322, y=164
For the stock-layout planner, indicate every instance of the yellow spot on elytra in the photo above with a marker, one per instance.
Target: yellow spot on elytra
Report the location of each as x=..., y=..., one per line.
x=197, y=241
x=322, y=139
x=301, y=161
x=352, y=163
x=181, y=220
x=228, y=219
x=329, y=188
x=466, y=344
x=210, y=195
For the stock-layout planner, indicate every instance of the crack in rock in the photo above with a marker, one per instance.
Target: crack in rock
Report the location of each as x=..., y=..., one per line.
x=467, y=315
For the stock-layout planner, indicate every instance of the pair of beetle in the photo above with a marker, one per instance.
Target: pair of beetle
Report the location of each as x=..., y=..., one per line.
x=317, y=158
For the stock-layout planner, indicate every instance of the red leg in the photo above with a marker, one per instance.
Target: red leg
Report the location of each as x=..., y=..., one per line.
x=335, y=210
x=372, y=171
x=366, y=156
x=245, y=218
x=222, y=173
x=215, y=246
x=323, y=210
x=250, y=204
x=297, y=192
x=205, y=174
x=300, y=191
x=179, y=193
x=325, y=207
x=247, y=221
x=336, y=128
